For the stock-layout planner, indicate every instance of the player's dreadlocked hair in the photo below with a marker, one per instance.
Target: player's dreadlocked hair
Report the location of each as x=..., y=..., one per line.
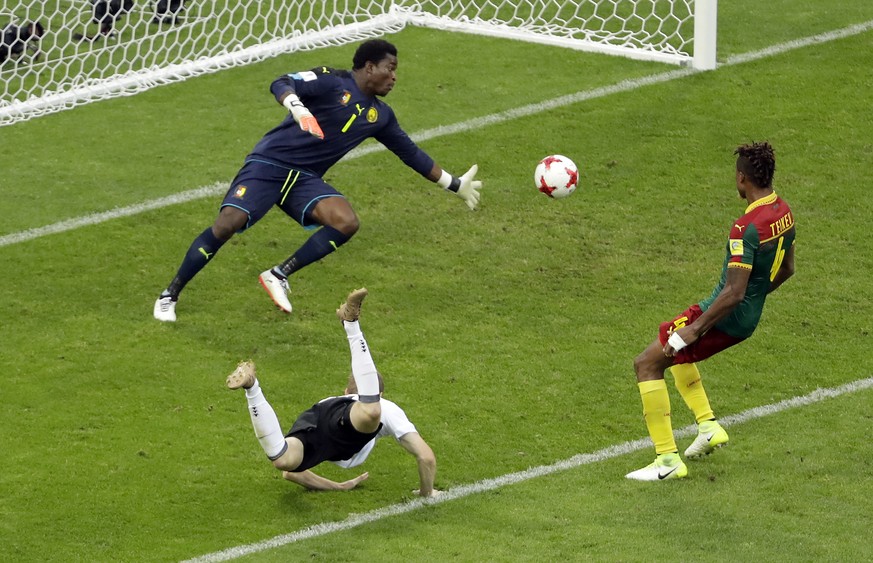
x=758, y=162
x=372, y=51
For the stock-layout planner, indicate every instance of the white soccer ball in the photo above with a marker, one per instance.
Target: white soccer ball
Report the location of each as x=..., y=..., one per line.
x=556, y=176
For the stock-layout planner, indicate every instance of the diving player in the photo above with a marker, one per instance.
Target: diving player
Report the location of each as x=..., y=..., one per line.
x=343, y=429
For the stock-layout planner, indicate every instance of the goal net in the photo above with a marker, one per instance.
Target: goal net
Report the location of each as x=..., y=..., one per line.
x=57, y=54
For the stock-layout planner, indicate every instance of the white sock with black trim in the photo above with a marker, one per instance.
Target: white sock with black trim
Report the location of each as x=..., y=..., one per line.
x=363, y=367
x=265, y=423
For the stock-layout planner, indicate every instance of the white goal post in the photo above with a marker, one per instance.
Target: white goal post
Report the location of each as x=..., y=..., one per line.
x=58, y=54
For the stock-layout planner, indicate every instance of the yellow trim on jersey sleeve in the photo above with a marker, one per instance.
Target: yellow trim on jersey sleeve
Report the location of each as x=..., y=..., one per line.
x=739, y=265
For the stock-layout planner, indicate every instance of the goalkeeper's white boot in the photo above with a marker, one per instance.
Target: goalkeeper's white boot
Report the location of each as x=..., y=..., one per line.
x=243, y=376
x=710, y=435
x=277, y=288
x=165, y=309
x=665, y=466
x=351, y=310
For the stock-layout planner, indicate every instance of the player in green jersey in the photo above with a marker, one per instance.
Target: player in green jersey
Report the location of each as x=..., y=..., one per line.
x=759, y=258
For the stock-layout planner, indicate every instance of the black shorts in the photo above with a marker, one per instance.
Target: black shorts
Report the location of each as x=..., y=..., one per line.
x=327, y=433
x=259, y=186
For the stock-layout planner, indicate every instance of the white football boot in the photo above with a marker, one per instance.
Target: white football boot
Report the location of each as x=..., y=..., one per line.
x=165, y=309
x=277, y=288
x=710, y=435
x=665, y=466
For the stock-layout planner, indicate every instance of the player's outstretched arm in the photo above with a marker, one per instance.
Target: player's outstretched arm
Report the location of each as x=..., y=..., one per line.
x=465, y=187
x=302, y=115
x=413, y=443
x=315, y=482
x=730, y=296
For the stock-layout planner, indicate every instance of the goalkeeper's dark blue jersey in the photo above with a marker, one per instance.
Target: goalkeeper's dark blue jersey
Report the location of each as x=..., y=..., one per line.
x=346, y=116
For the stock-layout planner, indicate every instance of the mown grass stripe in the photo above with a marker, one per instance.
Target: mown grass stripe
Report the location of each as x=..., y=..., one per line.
x=436, y=132
x=462, y=491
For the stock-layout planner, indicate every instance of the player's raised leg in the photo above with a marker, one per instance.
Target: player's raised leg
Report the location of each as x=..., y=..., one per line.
x=367, y=413
x=710, y=434
x=264, y=419
x=339, y=223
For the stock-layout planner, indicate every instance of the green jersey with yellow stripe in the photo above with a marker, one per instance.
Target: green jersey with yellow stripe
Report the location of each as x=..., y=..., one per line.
x=758, y=241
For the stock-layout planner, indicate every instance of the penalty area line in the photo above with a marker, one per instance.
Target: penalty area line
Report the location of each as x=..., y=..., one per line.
x=436, y=132
x=578, y=460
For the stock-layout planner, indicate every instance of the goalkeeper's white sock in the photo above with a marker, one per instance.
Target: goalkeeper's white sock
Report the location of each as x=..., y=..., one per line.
x=363, y=368
x=265, y=422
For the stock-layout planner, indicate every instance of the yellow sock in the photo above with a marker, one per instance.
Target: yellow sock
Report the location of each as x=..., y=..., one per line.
x=656, y=411
x=687, y=379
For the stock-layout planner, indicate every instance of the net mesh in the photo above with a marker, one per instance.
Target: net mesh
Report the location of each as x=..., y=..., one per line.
x=58, y=54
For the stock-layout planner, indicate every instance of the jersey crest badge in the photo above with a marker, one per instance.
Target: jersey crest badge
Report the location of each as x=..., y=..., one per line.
x=736, y=246
x=346, y=97
x=372, y=115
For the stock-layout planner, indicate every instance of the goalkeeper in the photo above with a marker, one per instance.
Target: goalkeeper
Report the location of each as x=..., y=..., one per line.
x=330, y=113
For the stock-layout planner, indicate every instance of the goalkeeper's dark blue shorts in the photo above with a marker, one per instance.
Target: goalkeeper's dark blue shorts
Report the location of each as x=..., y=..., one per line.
x=259, y=186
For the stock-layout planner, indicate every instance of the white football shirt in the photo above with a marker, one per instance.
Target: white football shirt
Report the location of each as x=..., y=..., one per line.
x=394, y=423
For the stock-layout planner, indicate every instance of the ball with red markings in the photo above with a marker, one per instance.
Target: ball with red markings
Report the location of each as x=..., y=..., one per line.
x=556, y=176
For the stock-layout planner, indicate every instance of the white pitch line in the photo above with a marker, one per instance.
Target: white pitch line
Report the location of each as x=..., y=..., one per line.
x=95, y=218
x=856, y=29
x=462, y=491
x=436, y=132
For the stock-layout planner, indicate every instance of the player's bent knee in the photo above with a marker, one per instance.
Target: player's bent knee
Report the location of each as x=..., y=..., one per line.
x=230, y=221
x=651, y=363
x=372, y=412
x=335, y=212
x=348, y=225
x=222, y=232
x=366, y=417
x=644, y=365
x=639, y=362
x=354, y=225
x=291, y=457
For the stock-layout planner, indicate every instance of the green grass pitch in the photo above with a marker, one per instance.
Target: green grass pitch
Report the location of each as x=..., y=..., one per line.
x=507, y=334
